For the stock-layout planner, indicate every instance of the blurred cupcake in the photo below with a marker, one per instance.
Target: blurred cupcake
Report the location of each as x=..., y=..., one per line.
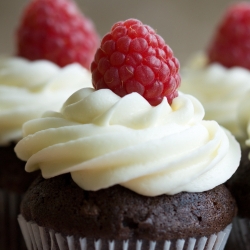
x=239, y=183
x=220, y=80
x=120, y=166
x=58, y=68
x=26, y=91
x=219, y=77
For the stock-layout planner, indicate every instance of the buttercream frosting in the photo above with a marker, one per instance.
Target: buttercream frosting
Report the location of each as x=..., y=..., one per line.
x=104, y=140
x=244, y=117
x=28, y=89
x=219, y=89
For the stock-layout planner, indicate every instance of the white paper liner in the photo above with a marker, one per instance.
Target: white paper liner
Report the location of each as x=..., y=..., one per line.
x=240, y=237
x=10, y=234
x=40, y=238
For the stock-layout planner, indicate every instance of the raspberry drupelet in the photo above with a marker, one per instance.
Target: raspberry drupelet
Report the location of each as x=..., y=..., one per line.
x=133, y=58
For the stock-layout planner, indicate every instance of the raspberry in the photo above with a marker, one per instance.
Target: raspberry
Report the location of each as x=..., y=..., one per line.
x=231, y=43
x=57, y=31
x=133, y=58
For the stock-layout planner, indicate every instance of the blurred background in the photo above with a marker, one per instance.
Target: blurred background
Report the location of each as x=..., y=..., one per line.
x=186, y=25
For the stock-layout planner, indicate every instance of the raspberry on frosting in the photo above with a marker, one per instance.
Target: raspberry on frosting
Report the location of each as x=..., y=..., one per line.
x=133, y=58
x=230, y=45
x=57, y=31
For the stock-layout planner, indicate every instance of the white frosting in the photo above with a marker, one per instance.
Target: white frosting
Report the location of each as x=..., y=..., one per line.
x=219, y=89
x=103, y=140
x=28, y=89
x=244, y=116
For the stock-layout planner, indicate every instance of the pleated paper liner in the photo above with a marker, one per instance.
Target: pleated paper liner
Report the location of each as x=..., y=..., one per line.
x=10, y=234
x=40, y=238
x=240, y=236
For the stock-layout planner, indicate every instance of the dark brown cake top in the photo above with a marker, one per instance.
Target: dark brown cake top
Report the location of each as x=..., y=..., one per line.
x=118, y=213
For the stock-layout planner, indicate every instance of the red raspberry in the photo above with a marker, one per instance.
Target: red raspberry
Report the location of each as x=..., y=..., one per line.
x=57, y=31
x=231, y=44
x=133, y=58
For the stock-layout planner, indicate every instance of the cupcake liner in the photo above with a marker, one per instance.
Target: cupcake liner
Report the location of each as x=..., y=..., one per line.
x=40, y=238
x=240, y=236
x=10, y=234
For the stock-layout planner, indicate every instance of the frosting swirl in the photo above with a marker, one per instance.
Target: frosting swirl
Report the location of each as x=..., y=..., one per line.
x=219, y=89
x=28, y=89
x=103, y=140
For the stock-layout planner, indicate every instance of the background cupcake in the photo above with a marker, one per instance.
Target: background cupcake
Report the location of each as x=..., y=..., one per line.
x=239, y=184
x=220, y=80
x=51, y=64
x=219, y=77
x=138, y=136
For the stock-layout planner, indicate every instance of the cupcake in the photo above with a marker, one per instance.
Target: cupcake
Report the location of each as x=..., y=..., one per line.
x=31, y=85
x=239, y=183
x=219, y=80
x=120, y=166
x=26, y=91
x=219, y=77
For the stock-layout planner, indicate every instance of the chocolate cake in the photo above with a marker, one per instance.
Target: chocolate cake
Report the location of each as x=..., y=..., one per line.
x=14, y=181
x=239, y=186
x=12, y=174
x=118, y=213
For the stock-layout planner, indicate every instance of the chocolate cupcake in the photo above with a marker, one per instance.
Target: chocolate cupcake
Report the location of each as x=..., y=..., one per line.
x=219, y=79
x=19, y=104
x=239, y=183
x=240, y=189
x=14, y=181
x=129, y=167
